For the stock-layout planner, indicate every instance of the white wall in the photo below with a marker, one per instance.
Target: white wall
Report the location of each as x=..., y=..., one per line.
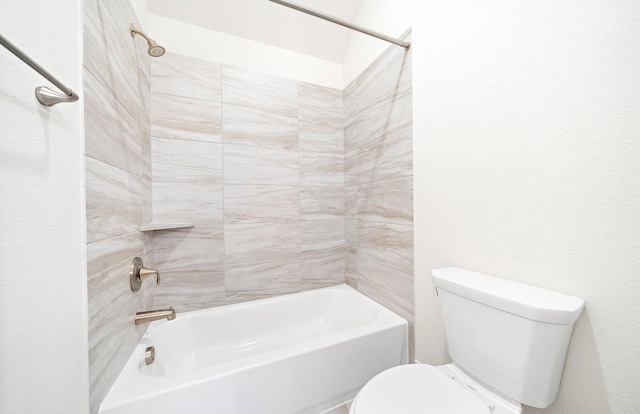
x=195, y=41
x=383, y=16
x=43, y=313
x=526, y=149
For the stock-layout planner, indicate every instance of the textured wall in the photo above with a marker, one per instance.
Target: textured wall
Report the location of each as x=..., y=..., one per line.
x=43, y=323
x=378, y=181
x=256, y=162
x=118, y=185
x=526, y=167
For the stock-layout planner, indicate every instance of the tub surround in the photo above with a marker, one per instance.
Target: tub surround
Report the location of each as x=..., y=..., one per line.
x=118, y=185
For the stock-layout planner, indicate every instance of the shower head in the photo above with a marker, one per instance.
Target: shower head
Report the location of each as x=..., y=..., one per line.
x=155, y=50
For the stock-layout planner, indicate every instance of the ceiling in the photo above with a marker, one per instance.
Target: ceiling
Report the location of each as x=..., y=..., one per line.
x=270, y=23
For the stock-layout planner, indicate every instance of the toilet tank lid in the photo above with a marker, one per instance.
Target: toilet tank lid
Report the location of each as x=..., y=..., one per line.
x=517, y=298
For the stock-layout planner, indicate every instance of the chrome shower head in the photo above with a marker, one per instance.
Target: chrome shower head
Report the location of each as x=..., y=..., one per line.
x=155, y=50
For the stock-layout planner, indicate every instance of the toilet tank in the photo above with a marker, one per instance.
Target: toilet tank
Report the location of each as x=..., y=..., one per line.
x=510, y=336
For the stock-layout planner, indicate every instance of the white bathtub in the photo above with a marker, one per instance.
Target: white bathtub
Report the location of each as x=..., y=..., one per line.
x=301, y=353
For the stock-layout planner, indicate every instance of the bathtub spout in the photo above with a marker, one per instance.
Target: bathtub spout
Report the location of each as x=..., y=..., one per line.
x=154, y=315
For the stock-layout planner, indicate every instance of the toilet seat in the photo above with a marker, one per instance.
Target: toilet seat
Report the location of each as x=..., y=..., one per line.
x=415, y=389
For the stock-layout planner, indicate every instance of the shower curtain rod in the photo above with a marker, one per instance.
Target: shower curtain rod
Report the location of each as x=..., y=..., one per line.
x=344, y=23
x=46, y=96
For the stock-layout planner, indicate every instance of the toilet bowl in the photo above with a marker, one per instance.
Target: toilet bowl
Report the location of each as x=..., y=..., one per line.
x=427, y=389
x=508, y=342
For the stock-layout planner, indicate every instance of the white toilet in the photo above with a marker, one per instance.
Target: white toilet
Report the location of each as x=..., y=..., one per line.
x=508, y=343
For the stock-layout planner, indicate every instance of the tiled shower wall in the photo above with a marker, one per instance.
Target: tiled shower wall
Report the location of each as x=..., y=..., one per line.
x=256, y=163
x=118, y=185
x=378, y=183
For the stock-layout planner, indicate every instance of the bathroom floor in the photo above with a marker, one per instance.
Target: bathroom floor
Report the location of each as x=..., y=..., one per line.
x=343, y=409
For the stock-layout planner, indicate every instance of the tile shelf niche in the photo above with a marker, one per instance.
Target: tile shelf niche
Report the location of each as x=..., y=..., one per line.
x=165, y=226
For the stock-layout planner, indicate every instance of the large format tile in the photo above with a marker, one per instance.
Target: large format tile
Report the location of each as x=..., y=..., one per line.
x=114, y=204
x=261, y=203
x=258, y=90
x=351, y=252
x=244, y=164
x=185, y=118
x=384, y=118
x=259, y=242
x=192, y=248
x=388, y=201
x=247, y=281
x=191, y=290
x=259, y=127
x=321, y=169
x=112, y=135
x=387, y=78
x=389, y=247
x=108, y=262
x=177, y=161
x=180, y=75
x=323, y=253
x=388, y=157
x=187, y=202
x=320, y=119
x=322, y=203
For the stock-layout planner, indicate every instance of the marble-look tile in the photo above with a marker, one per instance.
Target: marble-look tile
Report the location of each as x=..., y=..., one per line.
x=319, y=102
x=260, y=242
x=261, y=203
x=379, y=289
x=384, y=118
x=186, y=249
x=199, y=202
x=180, y=75
x=111, y=341
x=245, y=164
x=387, y=246
x=112, y=135
x=259, y=127
x=388, y=201
x=113, y=201
x=258, y=90
x=321, y=169
x=178, y=161
x=185, y=118
x=351, y=252
x=147, y=202
x=245, y=281
x=108, y=262
x=388, y=77
x=350, y=110
x=351, y=202
x=351, y=168
x=321, y=236
x=323, y=253
x=322, y=203
x=109, y=55
x=191, y=264
x=191, y=290
x=320, y=119
x=145, y=152
x=112, y=306
x=390, y=156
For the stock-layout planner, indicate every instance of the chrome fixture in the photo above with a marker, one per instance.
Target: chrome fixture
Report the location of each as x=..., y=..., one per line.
x=155, y=315
x=138, y=273
x=344, y=23
x=46, y=96
x=155, y=50
x=149, y=355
